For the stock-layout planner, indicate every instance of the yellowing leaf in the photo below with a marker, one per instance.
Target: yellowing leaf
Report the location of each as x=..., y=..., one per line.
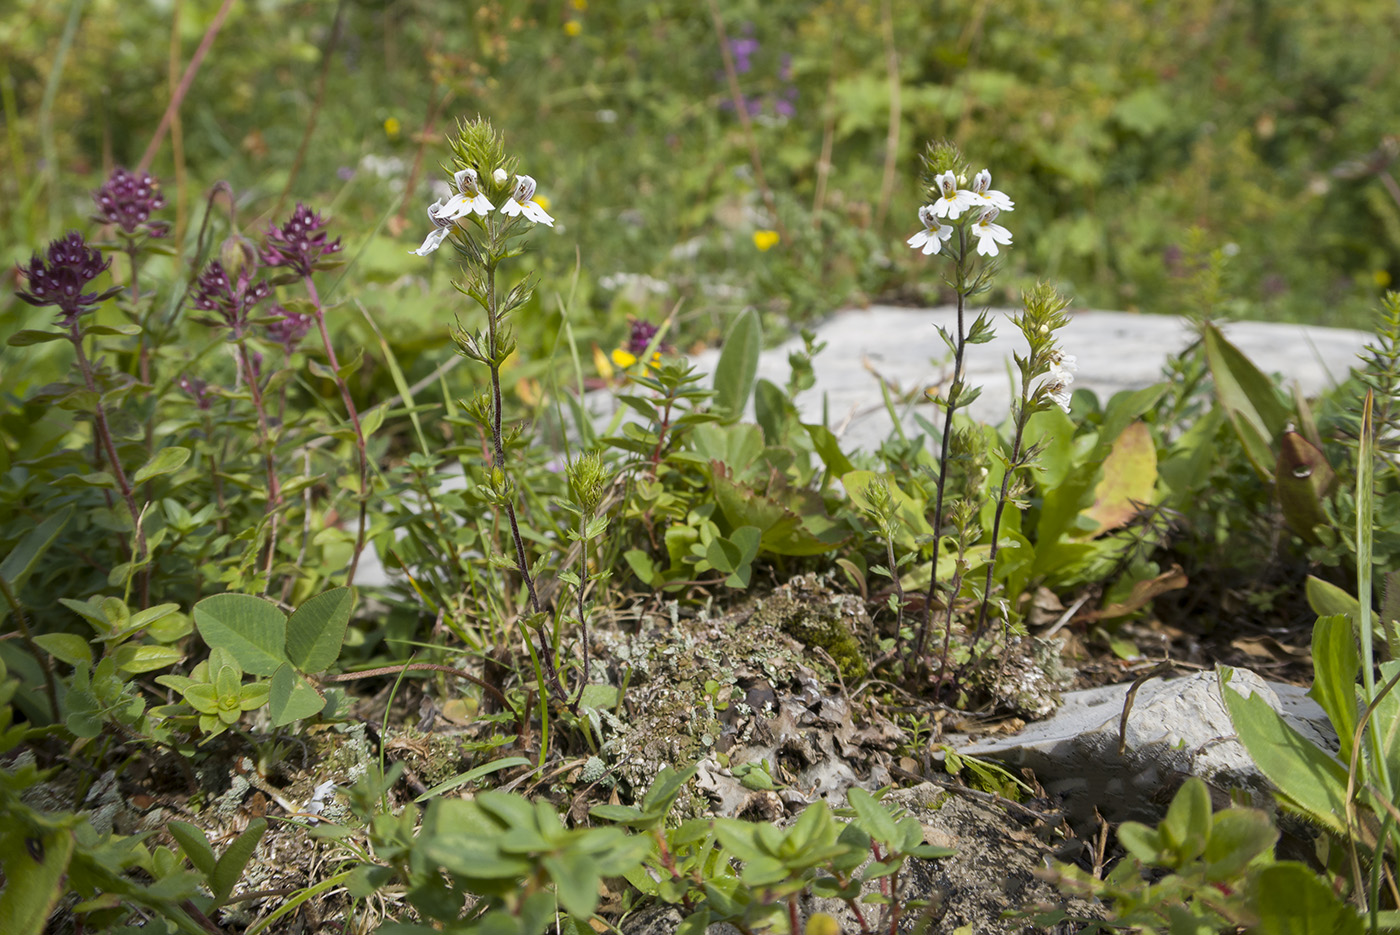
x=1129, y=477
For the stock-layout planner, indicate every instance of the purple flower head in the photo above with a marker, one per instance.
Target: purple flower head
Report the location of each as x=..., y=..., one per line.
x=742, y=50
x=300, y=243
x=232, y=300
x=642, y=333
x=198, y=390
x=289, y=329
x=128, y=199
x=58, y=278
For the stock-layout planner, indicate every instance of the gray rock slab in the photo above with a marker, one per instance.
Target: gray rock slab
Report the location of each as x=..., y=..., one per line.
x=1176, y=728
x=1115, y=351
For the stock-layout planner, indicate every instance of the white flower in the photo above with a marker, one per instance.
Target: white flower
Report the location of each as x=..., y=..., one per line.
x=317, y=804
x=984, y=196
x=952, y=200
x=468, y=198
x=1062, y=368
x=933, y=236
x=441, y=228
x=500, y=176
x=520, y=203
x=1060, y=394
x=989, y=234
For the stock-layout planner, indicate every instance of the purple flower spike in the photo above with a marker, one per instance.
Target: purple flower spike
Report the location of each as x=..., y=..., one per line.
x=58, y=279
x=642, y=333
x=232, y=300
x=300, y=244
x=128, y=199
x=290, y=328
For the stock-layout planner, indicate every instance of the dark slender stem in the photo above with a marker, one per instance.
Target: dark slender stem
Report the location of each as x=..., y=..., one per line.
x=420, y=667
x=361, y=449
x=39, y=655
x=274, y=488
x=104, y=436
x=958, y=349
x=327, y=56
x=1012, y=464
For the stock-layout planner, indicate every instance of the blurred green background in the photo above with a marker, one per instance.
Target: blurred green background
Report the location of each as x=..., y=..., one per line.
x=1116, y=127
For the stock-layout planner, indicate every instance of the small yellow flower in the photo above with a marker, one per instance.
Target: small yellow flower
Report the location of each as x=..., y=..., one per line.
x=1381, y=277
x=624, y=358
x=765, y=240
x=579, y=5
x=392, y=128
x=573, y=27
x=542, y=201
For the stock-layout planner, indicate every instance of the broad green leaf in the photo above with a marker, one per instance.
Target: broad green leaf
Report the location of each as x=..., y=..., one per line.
x=1249, y=398
x=876, y=822
x=235, y=859
x=1336, y=665
x=1128, y=481
x=1186, y=828
x=825, y=444
x=65, y=647
x=575, y=880
x=31, y=336
x=316, y=630
x=738, y=364
x=250, y=628
x=291, y=698
x=195, y=845
x=473, y=856
x=1326, y=599
x=16, y=567
x=665, y=788
x=35, y=868
x=135, y=659
x=166, y=461
x=1290, y=899
x=1306, y=774
x=1238, y=836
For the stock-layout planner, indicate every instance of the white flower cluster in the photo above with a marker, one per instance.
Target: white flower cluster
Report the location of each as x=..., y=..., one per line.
x=471, y=200
x=952, y=203
x=1062, y=367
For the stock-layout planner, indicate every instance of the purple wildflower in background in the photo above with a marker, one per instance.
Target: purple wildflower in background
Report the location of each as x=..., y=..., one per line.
x=197, y=390
x=642, y=333
x=233, y=299
x=128, y=199
x=743, y=50
x=289, y=328
x=300, y=244
x=58, y=278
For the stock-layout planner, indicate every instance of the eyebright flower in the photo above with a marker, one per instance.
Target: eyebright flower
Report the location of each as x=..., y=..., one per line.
x=1062, y=367
x=500, y=176
x=952, y=201
x=984, y=196
x=933, y=236
x=300, y=244
x=441, y=228
x=128, y=199
x=520, y=202
x=989, y=234
x=1059, y=393
x=468, y=198
x=58, y=278
x=231, y=300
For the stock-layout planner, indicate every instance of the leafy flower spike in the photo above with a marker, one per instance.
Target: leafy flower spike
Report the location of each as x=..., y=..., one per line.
x=520, y=203
x=933, y=236
x=984, y=196
x=952, y=200
x=442, y=228
x=468, y=198
x=989, y=234
x=59, y=278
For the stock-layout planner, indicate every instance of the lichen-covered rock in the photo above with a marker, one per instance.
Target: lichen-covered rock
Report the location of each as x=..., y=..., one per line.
x=810, y=612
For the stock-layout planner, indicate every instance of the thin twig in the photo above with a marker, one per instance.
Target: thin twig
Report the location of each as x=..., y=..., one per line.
x=204, y=45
